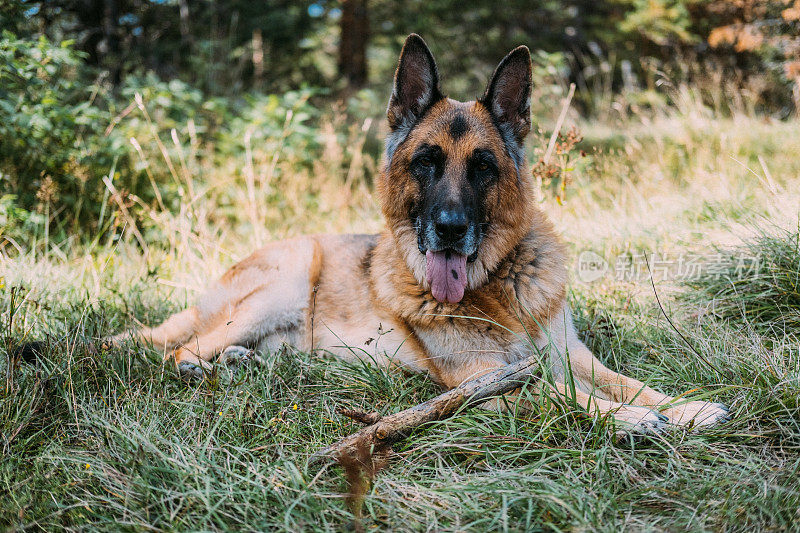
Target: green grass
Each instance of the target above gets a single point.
(768, 298)
(115, 440)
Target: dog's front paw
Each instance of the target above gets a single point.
(637, 420)
(697, 413)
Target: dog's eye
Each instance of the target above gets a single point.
(425, 162)
(482, 166)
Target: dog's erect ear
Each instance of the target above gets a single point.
(416, 84)
(508, 95)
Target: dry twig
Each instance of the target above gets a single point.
(378, 437)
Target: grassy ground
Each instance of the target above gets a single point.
(116, 440)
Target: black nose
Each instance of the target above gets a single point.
(451, 224)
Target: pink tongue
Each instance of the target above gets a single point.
(447, 274)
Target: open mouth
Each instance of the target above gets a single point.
(446, 271)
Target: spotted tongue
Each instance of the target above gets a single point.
(447, 274)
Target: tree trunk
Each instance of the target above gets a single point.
(186, 32)
(353, 43)
(111, 37)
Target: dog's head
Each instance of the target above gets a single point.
(455, 188)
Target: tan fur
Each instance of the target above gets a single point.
(366, 297)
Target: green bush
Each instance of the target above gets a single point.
(62, 131)
(52, 147)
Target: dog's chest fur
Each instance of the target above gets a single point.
(449, 343)
(498, 320)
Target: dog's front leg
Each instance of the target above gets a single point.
(634, 418)
(571, 359)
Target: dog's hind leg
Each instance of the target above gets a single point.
(272, 300)
(241, 327)
(265, 296)
(170, 333)
(259, 315)
(236, 356)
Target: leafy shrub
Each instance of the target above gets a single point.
(16, 224)
(50, 149)
(62, 132)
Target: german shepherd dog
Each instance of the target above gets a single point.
(466, 273)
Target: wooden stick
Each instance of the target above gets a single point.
(360, 416)
(376, 439)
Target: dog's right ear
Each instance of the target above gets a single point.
(416, 84)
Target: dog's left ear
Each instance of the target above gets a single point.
(508, 95)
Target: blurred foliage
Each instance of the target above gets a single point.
(61, 135)
(51, 142)
(155, 95)
(227, 47)
(205, 43)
